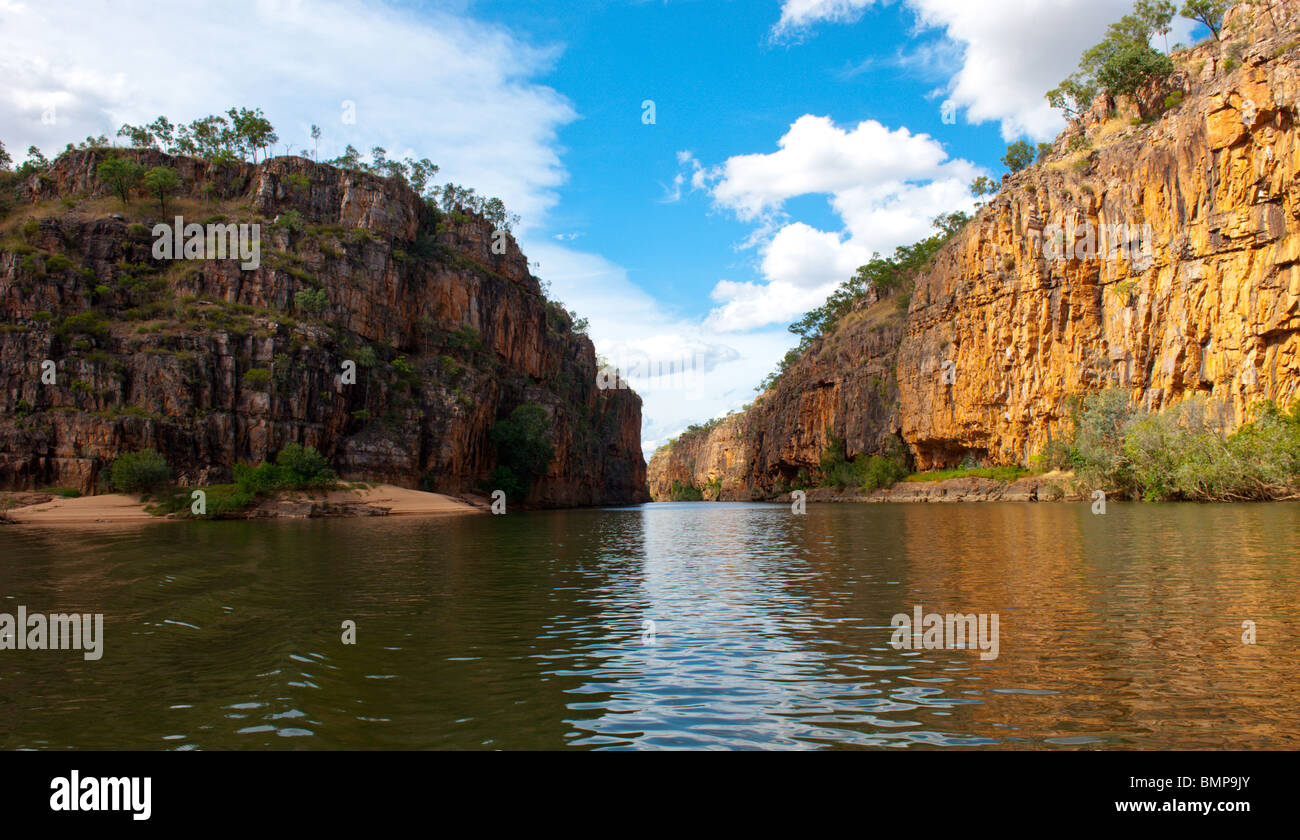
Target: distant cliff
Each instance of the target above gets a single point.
(212, 365)
(1010, 320)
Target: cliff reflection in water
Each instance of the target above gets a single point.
(769, 630)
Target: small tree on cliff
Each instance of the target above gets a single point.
(120, 175)
(1121, 64)
(161, 181)
(1158, 14)
(1020, 155)
(1208, 12)
(5, 159)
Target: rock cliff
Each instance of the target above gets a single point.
(1162, 257)
(105, 349)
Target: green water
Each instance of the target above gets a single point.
(771, 630)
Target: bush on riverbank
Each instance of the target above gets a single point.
(296, 468)
(1181, 453)
(139, 472)
(866, 472)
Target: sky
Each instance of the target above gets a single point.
(691, 175)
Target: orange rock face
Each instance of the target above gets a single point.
(1160, 258)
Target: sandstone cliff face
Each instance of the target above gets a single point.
(448, 338)
(1020, 311)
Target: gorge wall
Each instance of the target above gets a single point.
(212, 365)
(1017, 314)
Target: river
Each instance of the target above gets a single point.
(687, 625)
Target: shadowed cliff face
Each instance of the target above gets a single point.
(447, 337)
(1190, 285)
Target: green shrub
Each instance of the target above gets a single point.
(257, 378)
(139, 472)
(296, 467)
(309, 300)
(1182, 452)
(304, 467)
(868, 473)
(522, 445)
(93, 324)
(685, 492)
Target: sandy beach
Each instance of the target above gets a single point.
(403, 502)
(121, 509)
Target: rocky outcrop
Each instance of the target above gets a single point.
(390, 336)
(1161, 257)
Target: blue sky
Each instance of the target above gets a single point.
(791, 138)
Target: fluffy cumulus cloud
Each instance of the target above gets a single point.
(1010, 51)
(886, 185)
(434, 85)
(1013, 50)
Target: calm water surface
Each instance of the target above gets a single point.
(526, 631)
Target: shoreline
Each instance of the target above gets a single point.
(44, 509)
(1045, 487)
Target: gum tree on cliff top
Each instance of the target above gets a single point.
(1122, 63)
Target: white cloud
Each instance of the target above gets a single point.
(798, 15)
(1014, 50)
(886, 185)
(816, 156)
(640, 337)
(1011, 51)
(430, 85)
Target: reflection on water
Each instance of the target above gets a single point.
(769, 630)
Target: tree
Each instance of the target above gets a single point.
(251, 131)
(1130, 65)
(303, 466)
(982, 186)
(522, 447)
(421, 171)
(139, 472)
(35, 163)
(350, 159)
(164, 132)
(120, 175)
(5, 159)
(1121, 64)
(1020, 155)
(1073, 95)
(1208, 12)
(315, 136)
(139, 136)
(1158, 15)
(160, 182)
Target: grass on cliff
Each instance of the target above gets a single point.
(1007, 474)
